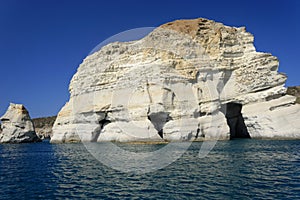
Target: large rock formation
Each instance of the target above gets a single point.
(176, 84)
(17, 126)
(43, 126)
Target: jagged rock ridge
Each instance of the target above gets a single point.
(175, 84)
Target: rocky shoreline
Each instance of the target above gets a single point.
(43, 125)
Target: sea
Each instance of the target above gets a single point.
(235, 169)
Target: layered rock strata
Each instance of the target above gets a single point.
(17, 126)
(175, 84)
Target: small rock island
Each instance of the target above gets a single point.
(16, 126)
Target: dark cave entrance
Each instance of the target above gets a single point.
(102, 123)
(235, 121)
(159, 119)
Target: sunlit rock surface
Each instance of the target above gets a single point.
(17, 126)
(174, 85)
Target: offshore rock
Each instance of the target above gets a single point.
(175, 84)
(17, 126)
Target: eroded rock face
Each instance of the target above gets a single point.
(295, 91)
(172, 84)
(43, 126)
(17, 126)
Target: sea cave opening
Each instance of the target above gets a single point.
(236, 121)
(159, 119)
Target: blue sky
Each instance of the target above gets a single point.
(42, 42)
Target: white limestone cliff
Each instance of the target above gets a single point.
(17, 126)
(174, 84)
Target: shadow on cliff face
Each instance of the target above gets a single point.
(235, 121)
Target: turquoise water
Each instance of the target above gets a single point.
(238, 169)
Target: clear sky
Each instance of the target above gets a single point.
(42, 42)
